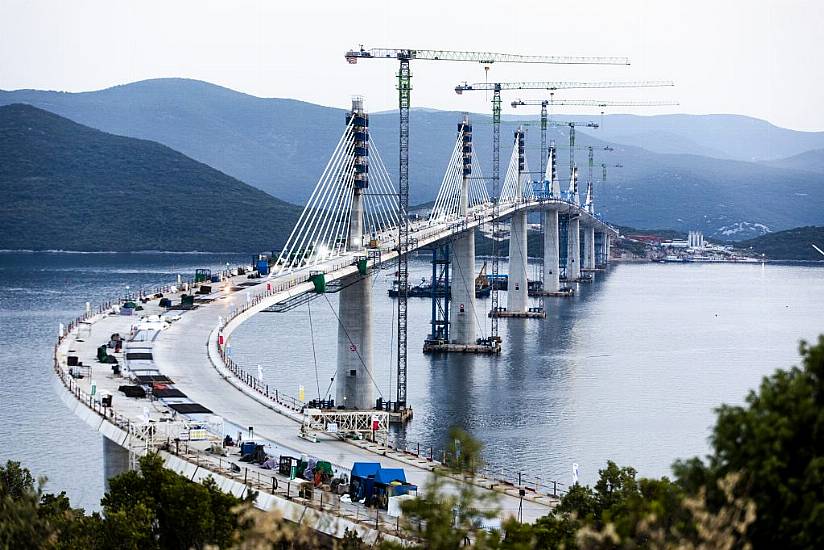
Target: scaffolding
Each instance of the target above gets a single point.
(373, 424)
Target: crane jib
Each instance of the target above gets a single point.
(485, 58)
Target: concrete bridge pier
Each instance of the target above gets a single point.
(589, 248)
(601, 255)
(115, 460)
(517, 294)
(606, 248)
(354, 383)
(552, 260)
(462, 305)
(552, 276)
(573, 267)
(462, 312)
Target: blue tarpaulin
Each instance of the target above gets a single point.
(388, 475)
(365, 469)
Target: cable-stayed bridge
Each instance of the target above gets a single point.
(349, 228)
(355, 223)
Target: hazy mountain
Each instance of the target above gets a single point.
(812, 161)
(734, 137)
(70, 187)
(281, 146)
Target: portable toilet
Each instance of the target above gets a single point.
(263, 267)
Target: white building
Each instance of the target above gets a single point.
(695, 239)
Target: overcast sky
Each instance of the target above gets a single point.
(761, 58)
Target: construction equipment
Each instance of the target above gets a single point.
(604, 168)
(481, 281)
(404, 76)
(496, 88)
(581, 103)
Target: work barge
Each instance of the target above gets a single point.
(197, 395)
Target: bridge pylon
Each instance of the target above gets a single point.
(552, 233)
(517, 293)
(455, 200)
(354, 383)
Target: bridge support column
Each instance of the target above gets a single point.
(600, 250)
(354, 386)
(589, 248)
(573, 267)
(606, 248)
(115, 460)
(517, 294)
(552, 275)
(462, 304)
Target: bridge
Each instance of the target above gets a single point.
(195, 393)
(185, 392)
(349, 227)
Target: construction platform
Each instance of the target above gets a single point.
(436, 346)
(401, 417)
(532, 313)
(562, 293)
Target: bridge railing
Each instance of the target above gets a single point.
(276, 485)
(536, 485)
(500, 476)
(299, 490)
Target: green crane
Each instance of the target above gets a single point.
(404, 56)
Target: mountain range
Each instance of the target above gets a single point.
(812, 161)
(679, 171)
(69, 187)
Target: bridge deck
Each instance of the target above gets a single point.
(186, 352)
(180, 353)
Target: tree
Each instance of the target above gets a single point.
(775, 445)
(158, 508)
(450, 514)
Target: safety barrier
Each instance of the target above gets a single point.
(279, 486)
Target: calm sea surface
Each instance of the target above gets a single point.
(629, 370)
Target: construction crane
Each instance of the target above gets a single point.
(544, 103)
(604, 170)
(589, 204)
(496, 88)
(404, 56)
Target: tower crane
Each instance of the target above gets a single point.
(579, 102)
(604, 167)
(496, 88)
(590, 103)
(404, 57)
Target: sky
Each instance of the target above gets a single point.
(761, 58)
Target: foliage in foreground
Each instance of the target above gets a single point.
(762, 487)
(153, 508)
